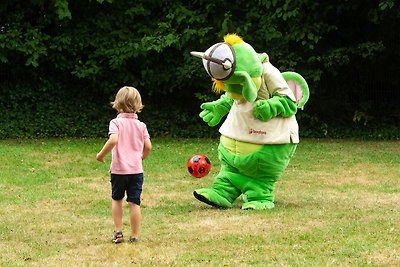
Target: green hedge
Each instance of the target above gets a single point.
(61, 62)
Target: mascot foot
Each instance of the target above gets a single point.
(256, 205)
(211, 198)
(205, 200)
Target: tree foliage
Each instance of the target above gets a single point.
(63, 61)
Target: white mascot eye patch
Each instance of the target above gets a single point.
(218, 60)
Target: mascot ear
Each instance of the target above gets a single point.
(249, 90)
(299, 87)
(263, 57)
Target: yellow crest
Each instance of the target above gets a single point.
(233, 38)
(218, 86)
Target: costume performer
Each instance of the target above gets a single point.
(260, 133)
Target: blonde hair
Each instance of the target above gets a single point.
(128, 100)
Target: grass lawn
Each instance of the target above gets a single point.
(338, 204)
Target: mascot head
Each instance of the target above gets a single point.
(234, 66)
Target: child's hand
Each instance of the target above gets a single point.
(100, 158)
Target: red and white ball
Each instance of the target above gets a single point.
(198, 166)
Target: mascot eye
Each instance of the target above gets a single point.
(219, 61)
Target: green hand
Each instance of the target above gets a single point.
(214, 111)
(265, 110)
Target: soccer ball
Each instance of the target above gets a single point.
(198, 165)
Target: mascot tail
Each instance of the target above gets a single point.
(299, 87)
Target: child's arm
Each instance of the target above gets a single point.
(108, 146)
(147, 148)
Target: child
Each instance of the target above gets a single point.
(130, 143)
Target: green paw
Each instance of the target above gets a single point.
(256, 205)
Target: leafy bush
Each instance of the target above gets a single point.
(63, 61)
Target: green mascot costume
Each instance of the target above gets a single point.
(260, 133)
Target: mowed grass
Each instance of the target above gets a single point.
(337, 204)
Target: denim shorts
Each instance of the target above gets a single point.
(130, 183)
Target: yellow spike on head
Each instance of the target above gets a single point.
(233, 38)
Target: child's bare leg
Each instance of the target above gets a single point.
(135, 217)
(117, 213)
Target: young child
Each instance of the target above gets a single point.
(130, 143)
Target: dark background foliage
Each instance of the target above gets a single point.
(63, 61)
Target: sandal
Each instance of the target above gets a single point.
(118, 237)
(133, 239)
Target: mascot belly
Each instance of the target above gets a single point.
(260, 133)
